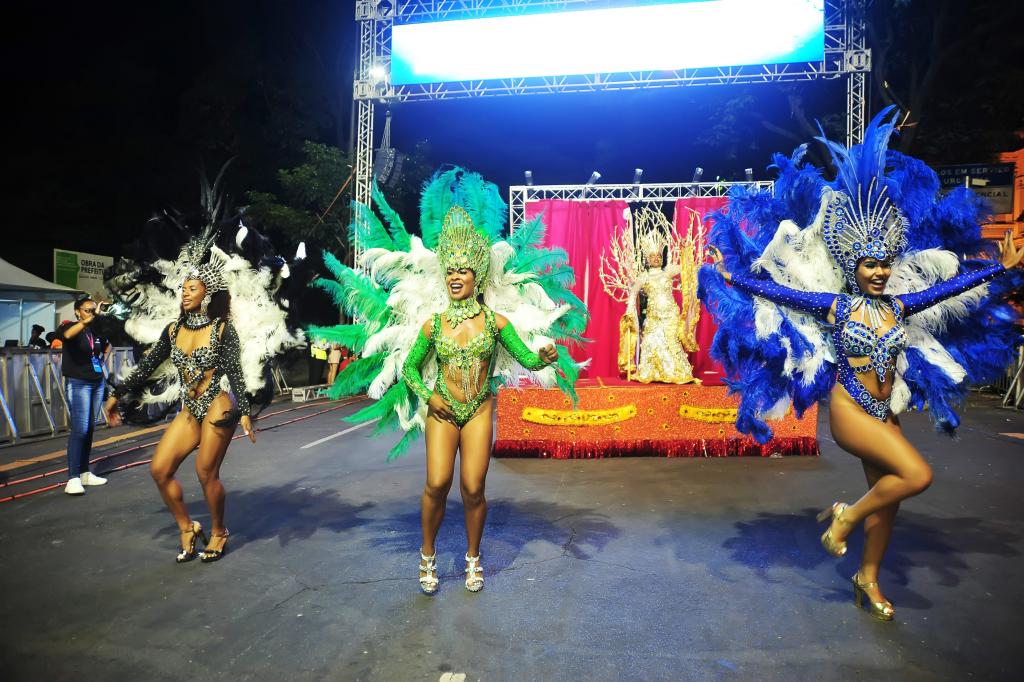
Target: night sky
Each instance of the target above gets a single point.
(113, 108)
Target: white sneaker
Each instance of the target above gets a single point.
(92, 479)
(74, 487)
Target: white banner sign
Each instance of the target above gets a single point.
(81, 271)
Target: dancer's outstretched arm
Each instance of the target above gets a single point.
(819, 304)
(150, 361)
(921, 300)
(1009, 257)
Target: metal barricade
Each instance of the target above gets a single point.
(32, 398)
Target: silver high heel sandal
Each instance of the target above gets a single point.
(474, 574)
(428, 565)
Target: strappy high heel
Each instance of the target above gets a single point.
(879, 610)
(189, 553)
(474, 574)
(832, 515)
(429, 582)
(208, 556)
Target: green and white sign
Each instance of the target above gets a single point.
(80, 270)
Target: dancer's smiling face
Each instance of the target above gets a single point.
(655, 260)
(192, 293)
(461, 283)
(872, 275)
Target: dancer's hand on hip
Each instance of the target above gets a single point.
(439, 408)
(247, 428)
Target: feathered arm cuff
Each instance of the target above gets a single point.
(515, 346)
(231, 361)
(150, 361)
(816, 303)
(411, 369)
(965, 281)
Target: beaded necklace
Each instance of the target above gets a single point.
(460, 311)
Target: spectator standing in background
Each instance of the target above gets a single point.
(317, 361)
(333, 360)
(36, 340)
(82, 367)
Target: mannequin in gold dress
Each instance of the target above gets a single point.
(667, 333)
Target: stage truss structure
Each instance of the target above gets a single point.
(521, 195)
(846, 55)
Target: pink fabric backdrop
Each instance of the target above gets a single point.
(704, 368)
(584, 229)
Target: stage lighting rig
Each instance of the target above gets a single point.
(637, 174)
(528, 176)
(697, 172)
(594, 177)
(749, 173)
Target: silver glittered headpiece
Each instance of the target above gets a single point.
(869, 228)
(211, 272)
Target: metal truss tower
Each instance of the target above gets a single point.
(846, 55)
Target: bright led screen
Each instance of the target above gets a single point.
(672, 36)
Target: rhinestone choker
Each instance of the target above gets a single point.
(195, 320)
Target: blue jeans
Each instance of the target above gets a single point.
(84, 401)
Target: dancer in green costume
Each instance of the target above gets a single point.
(434, 357)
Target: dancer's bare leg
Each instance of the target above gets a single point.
(213, 445)
(475, 453)
(877, 531)
(442, 443)
(904, 473)
(180, 439)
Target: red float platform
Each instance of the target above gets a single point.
(616, 418)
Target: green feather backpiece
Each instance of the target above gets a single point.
(396, 228)
(398, 256)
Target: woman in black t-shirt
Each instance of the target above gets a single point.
(82, 367)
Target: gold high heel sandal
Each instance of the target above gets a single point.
(208, 556)
(832, 515)
(880, 610)
(189, 553)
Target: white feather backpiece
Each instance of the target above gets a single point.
(258, 319)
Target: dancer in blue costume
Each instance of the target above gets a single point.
(868, 304)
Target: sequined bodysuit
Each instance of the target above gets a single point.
(222, 355)
(662, 357)
(462, 364)
(853, 339)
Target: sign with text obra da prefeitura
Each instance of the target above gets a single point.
(83, 271)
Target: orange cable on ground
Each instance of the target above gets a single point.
(53, 486)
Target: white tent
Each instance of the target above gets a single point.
(26, 300)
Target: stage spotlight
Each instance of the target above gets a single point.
(637, 174)
(529, 178)
(594, 177)
(749, 172)
(697, 172)
(378, 72)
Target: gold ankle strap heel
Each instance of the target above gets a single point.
(832, 515)
(880, 610)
